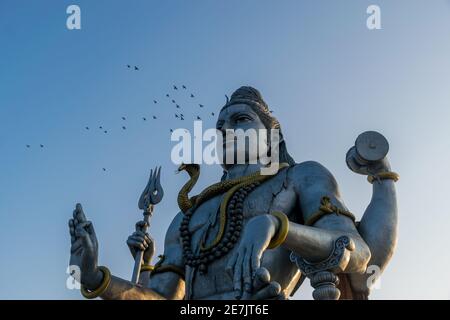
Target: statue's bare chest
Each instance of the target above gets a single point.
(205, 225)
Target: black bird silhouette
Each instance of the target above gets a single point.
(184, 87)
(28, 146)
(171, 130)
(124, 128)
(154, 117)
(136, 68)
(212, 113)
(167, 95)
(271, 111)
(175, 88)
(42, 145)
(173, 101)
(155, 102)
(100, 127)
(87, 128)
(192, 96)
(178, 106)
(144, 118)
(201, 106)
(123, 118)
(176, 116)
(106, 131)
(103, 169)
(128, 66)
(198, 118)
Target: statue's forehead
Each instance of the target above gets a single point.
(233, 109)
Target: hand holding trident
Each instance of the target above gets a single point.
(152, 194)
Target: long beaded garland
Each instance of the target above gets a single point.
(233, 228)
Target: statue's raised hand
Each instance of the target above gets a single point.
(84, 249)
(245, 262)
(368, 155)
(140, 240)
(364, 167)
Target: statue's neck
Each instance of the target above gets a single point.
(239, 170)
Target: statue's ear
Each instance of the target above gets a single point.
(274, 140)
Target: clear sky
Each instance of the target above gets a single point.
(325, 75)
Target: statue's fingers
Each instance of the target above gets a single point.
(80, 231)
(272, 290)
(256, 260)
(72, 231)
(229, 269)
(262, 278)
(78, 214)
(140, 234)
(247, 272)
(141, 240)
(148, 239)
(237, 279)
(136, 244)
(78, 244)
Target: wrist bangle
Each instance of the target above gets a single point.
(147, 267)
(282, 232)
(102, 288)
(383, 176)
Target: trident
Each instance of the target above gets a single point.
(152, 194)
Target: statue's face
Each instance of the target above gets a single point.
(241, 116)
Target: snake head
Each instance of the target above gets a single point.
(190, 168)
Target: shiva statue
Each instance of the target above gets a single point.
(254, 236)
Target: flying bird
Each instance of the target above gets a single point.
(175, 88)
(144, 118)
(167, 95)
(136, 68)
(171, 130)
(103, 169)
(178, 106)
(28, 146)
(123, 118)
(124, 128)
(100, 127)
(176, 116)
(173, 101)
(128, 66)
(192, 96)
(106, 131)
(154, 117)
(87, 128)
(155, 102)
(184, 87)
(201, 106)
(41, 145)
(198, 118)
(212, 113)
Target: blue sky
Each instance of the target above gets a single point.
(325, 75)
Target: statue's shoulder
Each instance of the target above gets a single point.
(311, 172)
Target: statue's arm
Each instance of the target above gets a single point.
(314, 240)
(165, 285)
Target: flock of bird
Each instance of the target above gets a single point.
(178, 110)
